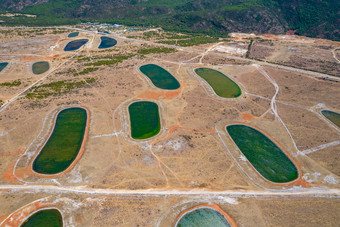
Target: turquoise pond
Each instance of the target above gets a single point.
(204, 217)
(3, 65)
(107, 42)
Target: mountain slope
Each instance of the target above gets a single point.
(318, 18)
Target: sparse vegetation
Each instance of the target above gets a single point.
(156, 50)
(86, 71)
(56, 88)
(11, 84)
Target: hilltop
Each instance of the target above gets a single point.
(214, 17)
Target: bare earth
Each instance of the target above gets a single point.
(119, 181)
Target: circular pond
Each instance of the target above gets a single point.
(160, 77)
(43, 218)
(222, 85)
(40, 67)
(75, 44)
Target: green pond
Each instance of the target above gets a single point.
(40, 67)
(160, 77)
(73, 34)
(3, 65)
(75, 44)
(44, 218)
(265, 156)
(332, 116)
(144, 119)
(204, 217)
(222, 85)
(107, 42)
(64, 144)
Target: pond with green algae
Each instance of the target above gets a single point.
(43, 218)
(40, 67)
(65, 142)
(73, 34)
(203, 217)
(160, 77)
(332, 116)
(220, 83)
(75, 44)
(107, 42)
(3, 65)
(263, 154)
(144, 119)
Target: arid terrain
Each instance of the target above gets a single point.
(118, 181)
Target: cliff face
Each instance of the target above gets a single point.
(318, 18)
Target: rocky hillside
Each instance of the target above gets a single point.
(318, 18)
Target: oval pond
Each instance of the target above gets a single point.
(160, 77)
(263, 154)
(203, 217)
(73, 34)
(332, 116)
(43, 218)
(107, 42)
(220, 83)
(144, 119)
(75, 44)
(40, 67)
(65, 142)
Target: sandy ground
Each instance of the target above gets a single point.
(191, 152)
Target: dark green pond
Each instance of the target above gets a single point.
(75, 44)
(203, 218)
(266, 157)
(44, 218)
(3, 65)
(107, 42)
(160, 77)
(73, 34)
(332, 116)
(222, 85)
(144, 119)
(64, 144)
(40, 67)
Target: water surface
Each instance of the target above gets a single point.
(40, 67)
(75, 44)
(73, 34)
(204, 217)
(265, 156)
(3, 65)
(160, 77)
(65, 142)
(220, 83)
(144, 119)
(107, 42)
(44, 218)
(332, 116)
